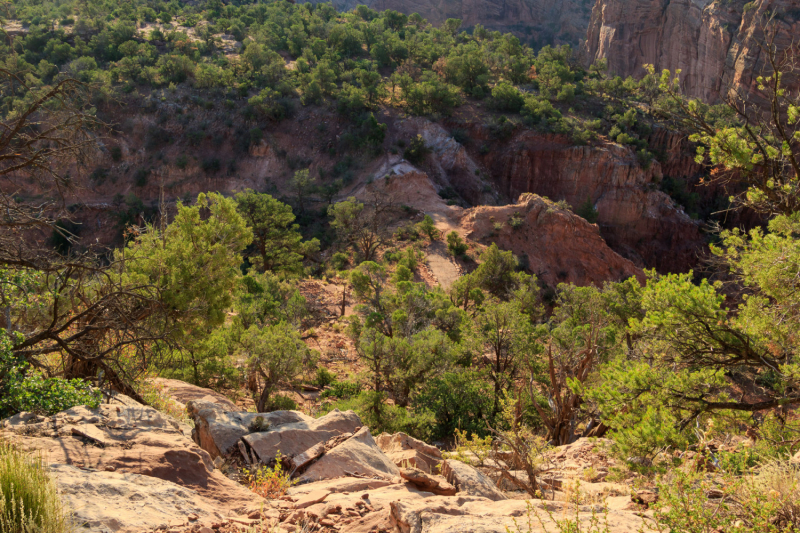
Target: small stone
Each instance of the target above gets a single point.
(205, 530)
(110, 469)
(365, 496)
(326, 522)
(254, 515)
(192, 517)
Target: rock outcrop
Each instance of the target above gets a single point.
(714, 43)
(637, 220)
(129, 468)
(217, 430)
(551, 241)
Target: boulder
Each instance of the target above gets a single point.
(293, 439)
(435, 484)
(470, 481)
(409, 452)
(357, 455)
(217, 430)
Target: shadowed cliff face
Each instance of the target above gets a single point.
(713, 42)
(637, 220)
(538, 22)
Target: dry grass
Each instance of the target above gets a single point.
(29, 502)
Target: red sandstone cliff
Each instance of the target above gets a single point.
(554, 243)
(636, 219)
(713, 42)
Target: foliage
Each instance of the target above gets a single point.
(587, 211)
(29, 500)
(278, 245)
(417, 150)
(276, 353)
(747, 504)
(270, 482)
(23, 388)
(460, 400)
(456, 245)
(427, 227)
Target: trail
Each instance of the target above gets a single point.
(442, 265)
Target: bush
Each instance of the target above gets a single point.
(279, 402)
(342, 390)
(271, 483)
(766, 502)
(24, 389)
(379, 416)
(140, 177)
(457, 400)
(506, 97)
(587, 211)
(182, 161)
(456, 245)
(211, 165)
(324, 377)
(29, 501)
(417, 150)
(339, 260)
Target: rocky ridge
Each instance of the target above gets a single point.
(127, 468)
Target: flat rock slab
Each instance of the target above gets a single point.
(424, 481)
(470, 481)
(311, 498)
(104, 502)
(184, 393)
(146, 474)
(90, 432)
(406, 451)
(471, 514)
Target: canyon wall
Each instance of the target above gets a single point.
(637, 220)
(713, 42)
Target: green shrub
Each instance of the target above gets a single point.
(140, 177)
(279, 402)
(417, 150)
(182, 161)
(457, 400)
(380, 416)
(342, 390)
(25, 389)
(587, 210)
(211, 165)
(324, 377)
(455, 244)
(29, 501)
(506, 97)
(339, 260)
